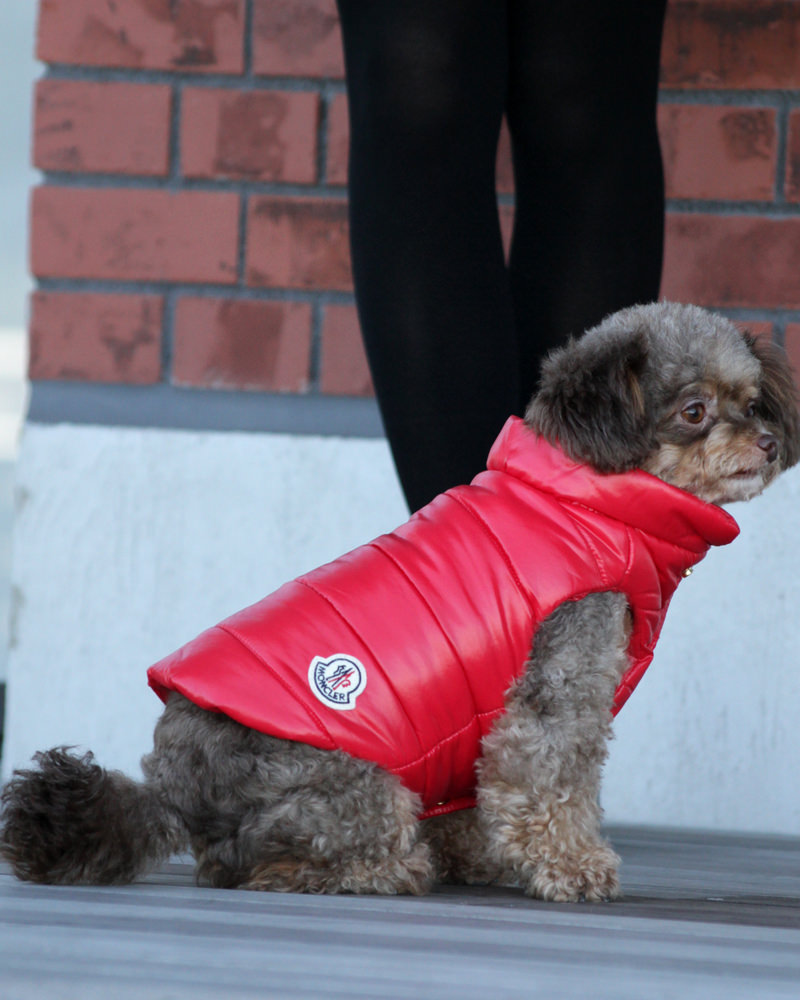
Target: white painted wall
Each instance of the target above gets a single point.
(129, 542)
(18, 69)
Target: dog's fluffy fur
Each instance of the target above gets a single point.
(670, 389)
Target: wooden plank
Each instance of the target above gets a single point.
(704, 916)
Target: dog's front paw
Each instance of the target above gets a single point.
(590, 877)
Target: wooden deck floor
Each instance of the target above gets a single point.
(704, 916)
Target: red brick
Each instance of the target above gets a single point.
(793, 158)
(760, 329)
(739, 260)
(298, 243)
(345, 371)
(506, 226)
(792, 345)
(241, 344)
(113, 128)
(297, 38)
(265, 135)
(193, 35)
(718, 152)
(338, 141)
(505, 168)
(95, 338)
(750, 44)
(134, 235)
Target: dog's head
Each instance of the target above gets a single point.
(676, 391)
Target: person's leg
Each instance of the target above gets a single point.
(589, 186)
(427, 87)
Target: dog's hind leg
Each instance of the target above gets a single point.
(460, 850)
(349, 828)
(272, 814)
(539, 778)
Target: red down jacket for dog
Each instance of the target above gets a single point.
(401, 651)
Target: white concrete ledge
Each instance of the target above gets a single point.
(129, 542)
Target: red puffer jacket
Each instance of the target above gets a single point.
(401, 651)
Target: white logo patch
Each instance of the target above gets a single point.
(337, 680)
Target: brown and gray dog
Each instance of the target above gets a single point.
(672, 390)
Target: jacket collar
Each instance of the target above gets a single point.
(636, 498)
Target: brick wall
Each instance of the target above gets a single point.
(730, 132)
(192, 226)
(191, 229)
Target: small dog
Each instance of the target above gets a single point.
(664, 389)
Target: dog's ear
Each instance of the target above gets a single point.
(591, 401)
(778, 400)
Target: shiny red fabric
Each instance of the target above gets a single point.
(440, 614)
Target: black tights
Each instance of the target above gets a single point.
(454, 335)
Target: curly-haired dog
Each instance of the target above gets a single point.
(656, 397)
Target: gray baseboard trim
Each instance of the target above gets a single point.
(169, 407)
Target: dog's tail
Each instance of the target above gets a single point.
(70, 821)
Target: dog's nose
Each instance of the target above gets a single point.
(769, 444)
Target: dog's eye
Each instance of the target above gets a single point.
(750, 409)
(693, 413)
